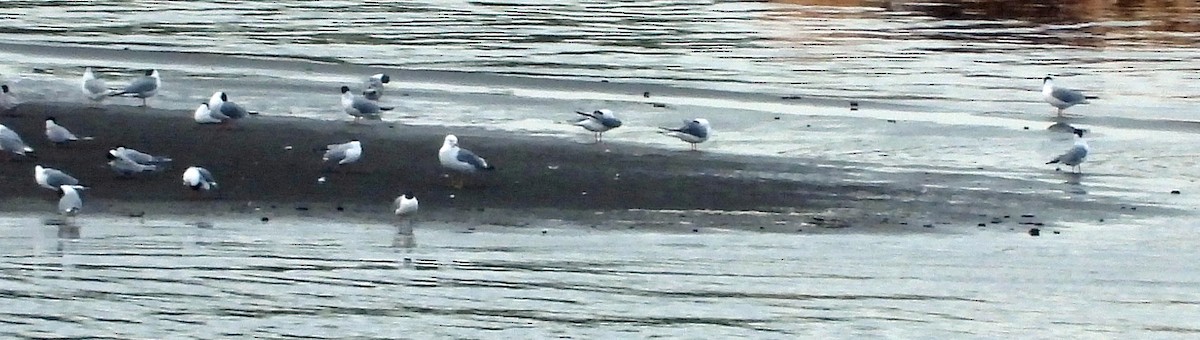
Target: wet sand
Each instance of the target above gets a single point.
(613, 185)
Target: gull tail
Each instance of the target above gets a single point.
(1091, 97)
(1053, 161)
(117, 93)
(386, 108)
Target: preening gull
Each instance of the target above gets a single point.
(598, 122)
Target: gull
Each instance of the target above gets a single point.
(220, 106)
(11, 143)
(138, 156)
(1061, 98)
(58, 134)
(7, 99)
(199, 179)
(342, 154)
(1075, 155)
(204, 115)
(373, 88)
(460, 160)
(406, 204)
(144, 87)
(360, 107)
(598, 122)
(125, 167)
(52, 178)
(94, 89)
(70, 204)
(694, 131)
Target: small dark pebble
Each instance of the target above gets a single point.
(891, 120)
(1056, 232)
(544, 231)
(853, 106)
(603, 80)
(1035, 232)
(1132, 208)
(138, 214)
(340, 208)
(471, 228)
(302, 208)
(658, 105)
(790, 97)
(1026, 128)
(264, 219)
(761, 227)
(694, 230)
(807, 125)
(391, 126)
(776, 117)
(996, 221)
(1039, 224)
(1006, 216)
(1175, 192)
(1101, 220)
(983, 224)
(903, 223)
(928, 226)
(646, 94)
(1027, 215)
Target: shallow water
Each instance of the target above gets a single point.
(294, 278)
(946, 87)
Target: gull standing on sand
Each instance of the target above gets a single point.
(12, 143)
(694, 131)
(125, 167)
(138, 156)
(70, 204)
(598, 122)
(199, 179)
(220, 106)
(144, 87)
(342, 154)
(59, 135)
(1061, 98)
(373, 88)
(461, 160)
(359, 107)
(7, 99)
(1075, 156)
(95, 89)
(52, 178)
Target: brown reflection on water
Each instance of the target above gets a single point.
(1149, 22)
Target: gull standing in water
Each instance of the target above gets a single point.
(220, 106)
(1075, 156)
(359, 107)
(373, 88)
(11, 143)
(461, 160)
(694, 131)
(70, 204)
(59, 135)
(1061, 98)
(7, 99)
(199, 179)
(598, 122)
(342, 154)
(144, 87)
(52, 178)
(95, 89)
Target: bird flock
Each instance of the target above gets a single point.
(126, 162)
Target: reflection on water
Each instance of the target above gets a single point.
(323, 279)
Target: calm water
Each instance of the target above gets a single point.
(293, 278)
(961, 76)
